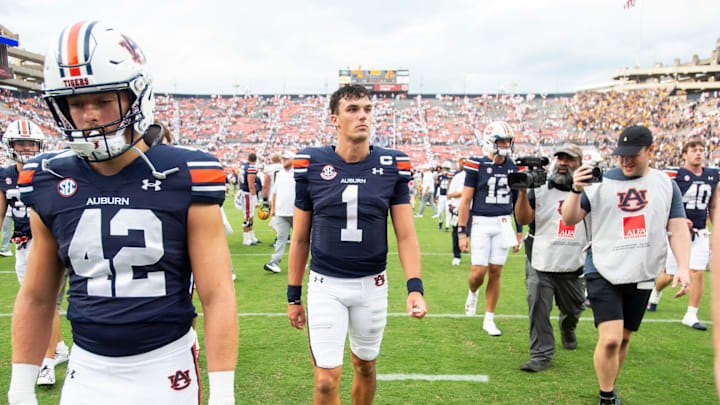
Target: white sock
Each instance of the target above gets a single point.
(474, 293)
(246, 237)
(252, 236)
(490, 316)
(61, 348)
(655, 296)
(691, 312)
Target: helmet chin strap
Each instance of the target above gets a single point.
(158, 175)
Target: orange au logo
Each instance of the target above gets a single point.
(180, 380)
(634, 227)
(632, 200)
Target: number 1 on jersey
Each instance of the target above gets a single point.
(351, 233)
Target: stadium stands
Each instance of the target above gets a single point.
(427, 129)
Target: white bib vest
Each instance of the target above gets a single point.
(629, 221)
(556, 247)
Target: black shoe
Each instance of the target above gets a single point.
(569, 340)
(610, 400)
(652, 307)
(535, 365)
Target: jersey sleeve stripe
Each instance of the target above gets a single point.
(300, 163)
(208, 188)
(472, 164)
(404, 172)
(300, 170)
(204, 164)
(26, 176)
(403, 165)
(26, 190)
(207, 175)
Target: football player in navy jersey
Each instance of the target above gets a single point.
(486, 187)
(135, 225)
(343, 194)
(697, 185)
(246, 198)
(443, 182)
(23, 140)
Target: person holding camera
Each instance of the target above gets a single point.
(486, 189)
(554, 260)
(630, 213)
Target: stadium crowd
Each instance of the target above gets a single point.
(429, 130)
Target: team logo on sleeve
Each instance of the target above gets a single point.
(634, 227)
(180, 380)
(67, 187)
(633, 200)
(328, 172)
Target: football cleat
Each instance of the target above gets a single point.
(6, 253)
(46, 376)
(652, 307)
(456, 261)
(272, 267)
(490, 328)
(693, 323)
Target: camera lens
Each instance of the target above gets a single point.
(596, 172)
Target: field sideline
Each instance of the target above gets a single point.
(668, 363)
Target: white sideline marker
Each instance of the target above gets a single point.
(433, 377)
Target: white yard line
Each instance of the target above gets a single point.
(402, 314)
(433, 377)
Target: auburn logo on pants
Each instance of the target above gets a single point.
(180, 380)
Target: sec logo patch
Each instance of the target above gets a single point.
(67, 187)
(328, 172)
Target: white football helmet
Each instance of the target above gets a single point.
(91, 57)
(23, 130)
(493, 132)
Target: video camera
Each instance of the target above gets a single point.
(535, 177)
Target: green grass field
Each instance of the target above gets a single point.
(668, 363)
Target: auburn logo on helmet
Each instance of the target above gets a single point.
(135, 51)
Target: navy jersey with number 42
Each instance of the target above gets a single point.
(246, 169)
(349, 204)
(493, 196)
(697, 192)
(124, 239)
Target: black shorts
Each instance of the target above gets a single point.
(611, 302)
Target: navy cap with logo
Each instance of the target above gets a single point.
(632, 139)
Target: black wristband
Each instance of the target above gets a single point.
(573, 190)
(461, 229)
(294, 293)
(415, 284)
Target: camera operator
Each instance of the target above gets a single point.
(554, 260)
(630, 212)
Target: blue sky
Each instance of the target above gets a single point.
(474, 46)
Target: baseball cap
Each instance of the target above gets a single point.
(569, 149)
(632, 139)
(288, 155)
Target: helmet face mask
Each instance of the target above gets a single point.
(496, 131)
(18, 135)
(91, 58)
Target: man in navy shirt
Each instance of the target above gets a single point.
(343, 194)
(246, 198)
(486, 188)
(697, 185)
(135, 225)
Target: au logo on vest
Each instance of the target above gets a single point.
(632, 200)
